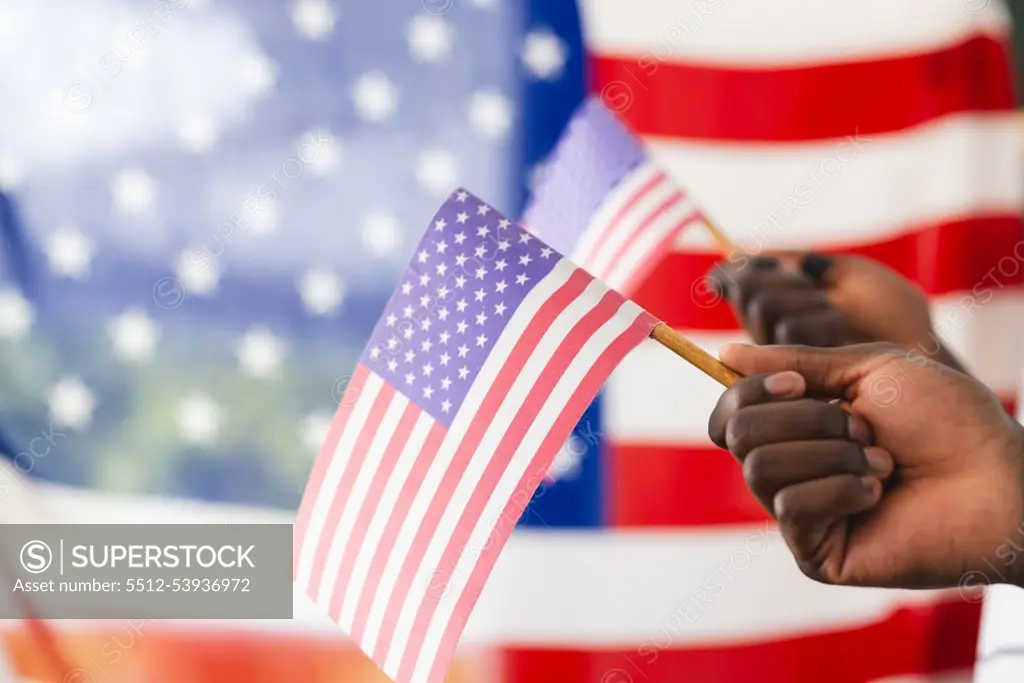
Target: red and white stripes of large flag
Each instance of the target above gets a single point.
(404, 517)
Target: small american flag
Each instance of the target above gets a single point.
(626, 212)
(486, 356)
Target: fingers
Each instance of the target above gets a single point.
(800, 420)
(822, 329)
(763, 409)
(775, 302)
(828, 372)
(770, 469)
(809, 512)
(819, 268)
(751, 391)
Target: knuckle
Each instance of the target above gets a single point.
(786, 509)
(757, 468)
(739, 436)
(808, 567)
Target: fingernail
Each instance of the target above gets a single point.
(879, 461)
(872, 487)
(815, 266)
(732, 348)
(859, 430)
(783, 384)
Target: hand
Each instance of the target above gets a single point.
(948, 455)
(806, 298)
(778, 305)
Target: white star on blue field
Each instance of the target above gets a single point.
(211, 200)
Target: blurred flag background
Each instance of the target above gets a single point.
(205, 204)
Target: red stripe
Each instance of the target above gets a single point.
(655, 254)
(636, 230)
(682, 486)
(324, 459)
(532, 476)
(393, 526)
(525, 345)
(368, 430)
(370, 504)
(808, 102)
(912, 641)
(610, 227)
(570, 346)
(678, 486)
(959, 255)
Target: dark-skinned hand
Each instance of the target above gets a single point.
(915, 482)
(826, 301)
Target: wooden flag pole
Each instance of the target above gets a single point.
(696, 356)
(725, 244)
(686, 349)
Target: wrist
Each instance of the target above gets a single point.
(1017, 510)
(1008, 563)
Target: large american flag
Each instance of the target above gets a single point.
(485, 358)
(225, 398)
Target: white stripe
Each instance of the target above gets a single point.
(985, 336)
(511, 405)
(781, 195)
(1002, 630)
(620, 195)
(361, 486)
(654, 397)
(375, 531)
(543, 588)
(341, 456)
(695, 587)
(555, 403)
(601, 261)
(428, 487)
(625, 269)
(761, 32)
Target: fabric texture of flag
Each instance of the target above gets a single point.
(605, 204)
(487, 354)
(880, 128)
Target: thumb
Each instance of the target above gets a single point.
(827, 371)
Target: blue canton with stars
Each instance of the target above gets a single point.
(469, 274)
(204, 211)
